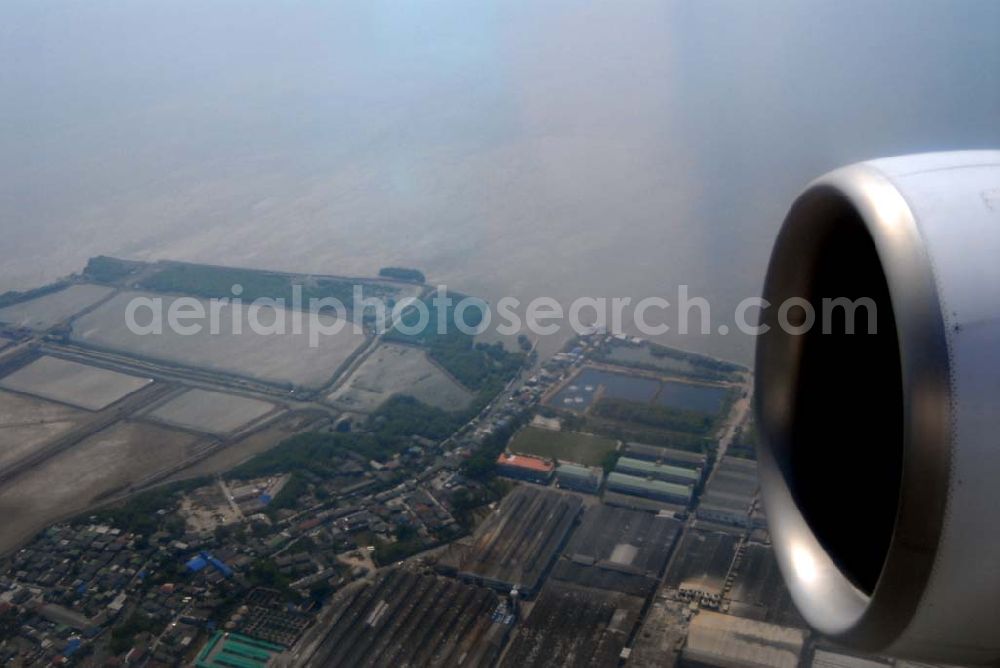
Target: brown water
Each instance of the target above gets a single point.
(523, 148)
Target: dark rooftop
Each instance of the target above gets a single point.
(515, 545)
(574, 626)
(411, 619)
(702, 561)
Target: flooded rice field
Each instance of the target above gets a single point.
(73, 480)
(395, 369)
(690, 397)
(51, 309)
(581, 391)
(72, 383)
(211, 412)
(27, 423)
(276, 358)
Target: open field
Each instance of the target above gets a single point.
(691, 397)
(270, 357)
(51, 309)
(211, 412)
(73, 383)
(569, 446)
(395, 369)
(27, 423)
(251, 445)
(642, 355)
(73, 480)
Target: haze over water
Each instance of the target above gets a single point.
(559, 148)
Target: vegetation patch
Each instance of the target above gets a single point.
(478, 366)
(318, 454)
(217, 282)
(140, 513)
(104, 269)
(655, 357)
(403, 274)
(13, 296)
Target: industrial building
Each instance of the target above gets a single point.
(642, 503)
(652, 489)
(758, 590)
(227, 650)
(514, 546)
(723, 641)
(618, 549)
(406, 618)
(580, 478)
(671, 456)
(574, 626)
(826, 659)
(701, 566)
(730, 493)
(525, 467)
(664, 472)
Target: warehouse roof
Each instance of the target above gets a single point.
(624, 479)
(717, 639)
(653, 468)
(656, 452)
(825, 659)
(516, 544)
(577, 470)
(232, 650)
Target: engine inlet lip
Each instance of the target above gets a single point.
(826, 598)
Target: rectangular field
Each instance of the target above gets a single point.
(66, 484)
(51, 309)
(569, 446)
(266, 354)
(592, 384)
(692, 397)
(73, 383)
(580, 393)
(211, 412)
(27, 423)
(396, 369)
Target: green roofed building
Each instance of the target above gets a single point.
(231, 650)
(650, 489)
(579, 478)
(664, 472)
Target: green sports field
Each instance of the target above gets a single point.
(567, 446)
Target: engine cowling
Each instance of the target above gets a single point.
(880, 457)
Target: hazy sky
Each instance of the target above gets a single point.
(561, 147)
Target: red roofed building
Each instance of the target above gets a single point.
(525, 467)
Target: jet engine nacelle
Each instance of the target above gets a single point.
(880, 463)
